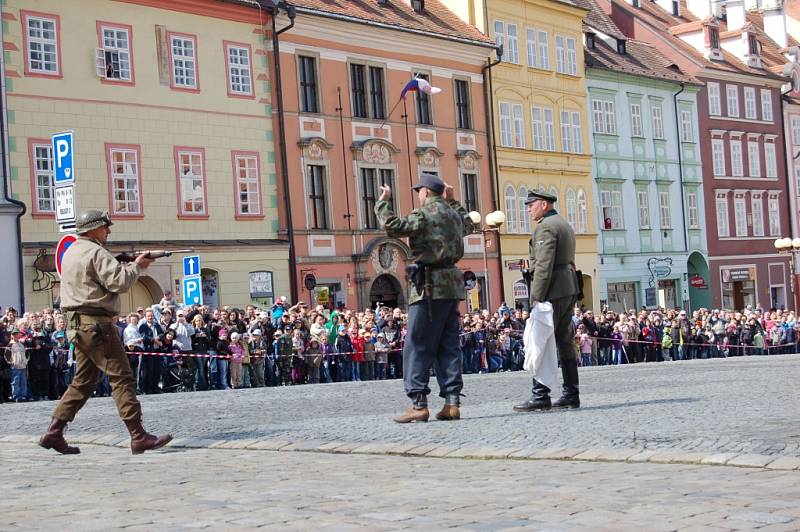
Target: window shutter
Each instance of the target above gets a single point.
(100, 62)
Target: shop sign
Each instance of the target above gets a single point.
(698, 282)
(732, 275)
(515, 265)
(520, 290)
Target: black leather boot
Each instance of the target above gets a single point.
(539, 400)
(570, 398)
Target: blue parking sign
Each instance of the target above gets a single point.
(64, 167)
(192, 290)
(191, 265)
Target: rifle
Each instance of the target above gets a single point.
(153, 254)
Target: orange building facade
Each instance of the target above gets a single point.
(341, 76)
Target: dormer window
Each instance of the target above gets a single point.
(753, 45)
(590, 40)
(621, 46)
(676, 8)
(418, 5)
(713, 38)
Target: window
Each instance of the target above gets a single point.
(561, 55)
(796, 130)
(676, 8)
(644, 209)
(736, 158)
(718, 156)
(189, 165)
(665, 216)
(603, 117)
(513, 44)
(41, 36)
(462, 105)
(240, 72)
(740, 214)
(519, 126)
(733, 100)
(658, 122)
(752, 44)
(114, 55)
(511, 209)
(713, 38)
(583, 226)
(318, 211)
(771, 161)
(184, 61)
(693, 216)
(41, 154)
(577, 133)
(538, 128)
(572, 61)
(686, 126)
(530, 41)
(753, 159)
(358, 91)
(714, 106)
(377, 105)
(774, 215)
(247, 183)
(571, 214)
(636, 120)
(549, 131)
(371, 180)
(424, 115)
(123, 172)
(750, 103)
(308, 84)
(469, 188)
(524, 219)
(544, 51)
(505, 124)
(611, 209)
(566, 132)
(500, 33)
(757, 207)
(723, 229)
(766, 105)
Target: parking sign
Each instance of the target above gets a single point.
(192, 290)
(63, 158)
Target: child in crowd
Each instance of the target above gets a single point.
(585, 344)
(17, 357)
(313, 360)
(328, 369)
(358, 355)
(223, 352)
(298, 356)
(237, 355)
(344, 354)
(244, 341)
(381, 356)
(59, 358)
(616, 340)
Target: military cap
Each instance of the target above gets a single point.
(534, 195)
(431, 182)
(92, 219)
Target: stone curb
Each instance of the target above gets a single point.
(597, 454)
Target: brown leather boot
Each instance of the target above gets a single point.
(449, 413)
(141, 441)
(54, 438)
(413, 414)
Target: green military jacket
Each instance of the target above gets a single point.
(435, 232)
(552, 259)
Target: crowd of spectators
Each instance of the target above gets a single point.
(174, 348)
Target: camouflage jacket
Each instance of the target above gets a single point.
(435, 234)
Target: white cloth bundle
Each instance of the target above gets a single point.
(540, 345)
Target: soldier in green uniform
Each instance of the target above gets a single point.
(91, 281)
(552, 265)
(436, 232)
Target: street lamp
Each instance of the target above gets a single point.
(494, 220)
(789, 247)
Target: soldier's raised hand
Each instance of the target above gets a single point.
(448, 192)
(386, 193)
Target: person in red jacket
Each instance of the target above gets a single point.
(358, 355)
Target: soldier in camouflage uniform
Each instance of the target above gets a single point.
(436, 232)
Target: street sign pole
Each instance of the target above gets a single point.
(64, 180)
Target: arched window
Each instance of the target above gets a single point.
(571, 207)
(511, 209)
(524, 219)
(553, 191)
(582, 225)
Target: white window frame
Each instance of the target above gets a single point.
(566, 132)
(723, 219)
(500, 33)
(577, 133)
(750, 103)
(531, 46)
(753, 158)
(505, 125)
(240, 78)
(636, 120)
(773, 207)
(740, 215)
(770, 159)
(737, 163)
(658, 121)
(598, 117)
(524, 219)
(184, 65)
(611, 200)
(732, 94)
(511, 209)
(718, 156)
(42, 169)
(796, 130)
(583, 222)
(129, 178)
(572, 57)
(549, 130)
(45, 48)
(665, 216)
(714, 101)
(766, 105)
(111, 45)
(248, 184)
(643, 200)
(692, 213)
(512, 43)
(571, 210)
(543, 47)
(519, 125)
(191, 183)
(561, 54)
(687, 127)
(609, 110)
(757, 213)
(537, 119)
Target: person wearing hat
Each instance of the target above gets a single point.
(436, 231)
(552, 266)
(258, 350)
(92, 280)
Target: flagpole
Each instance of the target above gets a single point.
(390, 113)
(408, 151)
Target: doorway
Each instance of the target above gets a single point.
(387, 291)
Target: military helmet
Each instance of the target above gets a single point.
(92, 219)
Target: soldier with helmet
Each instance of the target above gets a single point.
(91, 281)
(436, 232)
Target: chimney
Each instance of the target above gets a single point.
(734, 10)
(700, 8)
(775, 21)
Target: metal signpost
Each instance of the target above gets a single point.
(64, 180)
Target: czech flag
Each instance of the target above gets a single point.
(419, 85)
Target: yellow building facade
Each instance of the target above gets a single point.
(169, 102)
(541, 126)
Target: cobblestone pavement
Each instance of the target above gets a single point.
(107, 488)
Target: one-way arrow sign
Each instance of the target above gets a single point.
(191, 265)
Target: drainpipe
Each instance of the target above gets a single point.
(680, 168)
(291, 13)
(493, 167)
(21, 208)
(792, 220)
